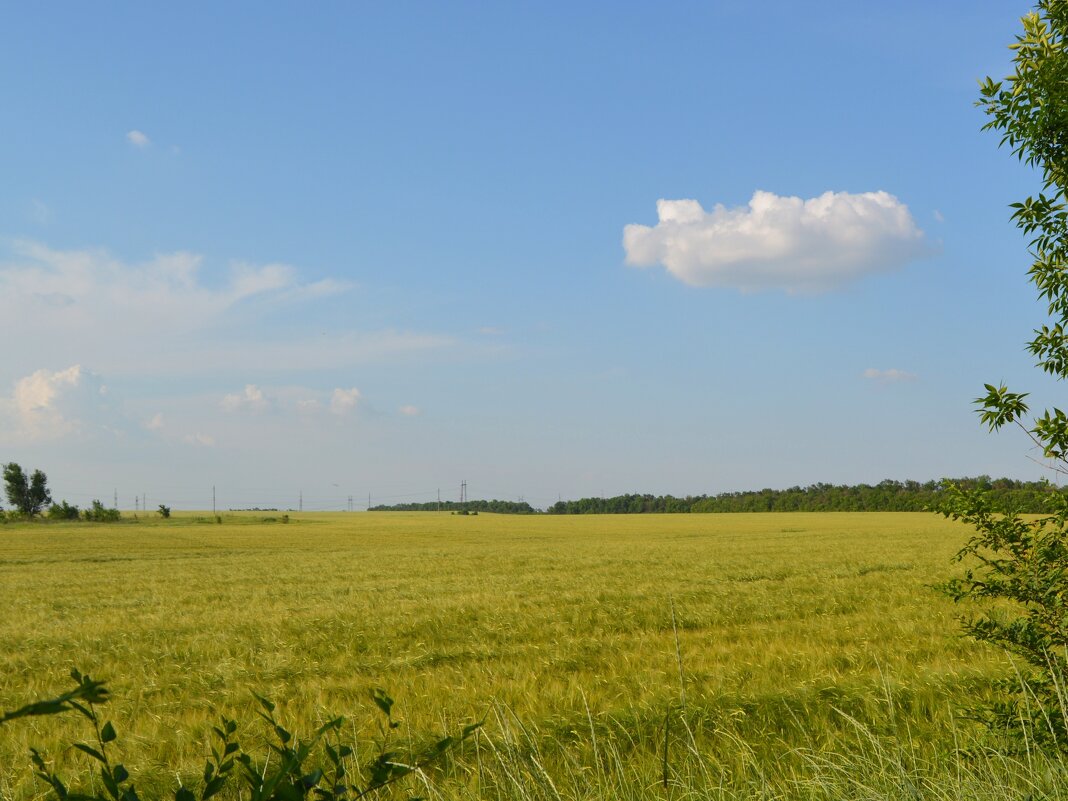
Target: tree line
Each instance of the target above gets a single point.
(500, 507)
(29, 497)
(886, 496)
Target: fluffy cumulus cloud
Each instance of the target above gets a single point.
(889, 376)
(252, 399)
(48, 405)
(777, 242)
(343, 401)
(137, 138)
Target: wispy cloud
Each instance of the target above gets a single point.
(343, 401)
(890, 376)
(40, 213)
(410, 411)
(89, 307)
(138, 139)
(252, 399)
(778, 242)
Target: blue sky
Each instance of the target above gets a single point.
(379, 248)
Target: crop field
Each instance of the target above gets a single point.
(778, 644)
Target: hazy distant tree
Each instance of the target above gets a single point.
(28, 496)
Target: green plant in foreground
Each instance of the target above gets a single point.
(321, 766)
(1020, 566)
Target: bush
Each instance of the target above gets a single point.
(63, 511)
(98, 513)
(164, 511)
(1019, 567)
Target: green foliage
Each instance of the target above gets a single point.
(1018, 571)
(886, 496)
(164, 511)
(1018, 567)
(321, 766)
(63, 511)
(98, 513)
(28, 495)
(498, 507)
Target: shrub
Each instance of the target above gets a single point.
(1018, 566)
(63, 511)
(164, 511)
(98, 513)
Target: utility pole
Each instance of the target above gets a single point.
(213, 499)
(439, 499)
(302, 500)
(116, 498)
(368, 502)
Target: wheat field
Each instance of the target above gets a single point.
(780, 640)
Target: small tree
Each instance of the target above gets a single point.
(164, 511)
(63, 511)
(98, 513)
(30, 496)
(1018, 567)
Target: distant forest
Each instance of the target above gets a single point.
(500, 507)
(886, 496)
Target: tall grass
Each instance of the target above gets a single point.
(791, 631)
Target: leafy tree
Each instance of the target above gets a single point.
(164, 511)
(1018, 567)
(98, 513)
(28, 496)
(63, 511)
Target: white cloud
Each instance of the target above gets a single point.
(308, 406)
(203, 440)
(344, 400)
(778, 242)
(155, 423)
(40, 213)
(40, 401)
(252, 399)
(50, 405)
(410, 411)
(893, 375)
(124, 318)
(137, 139)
